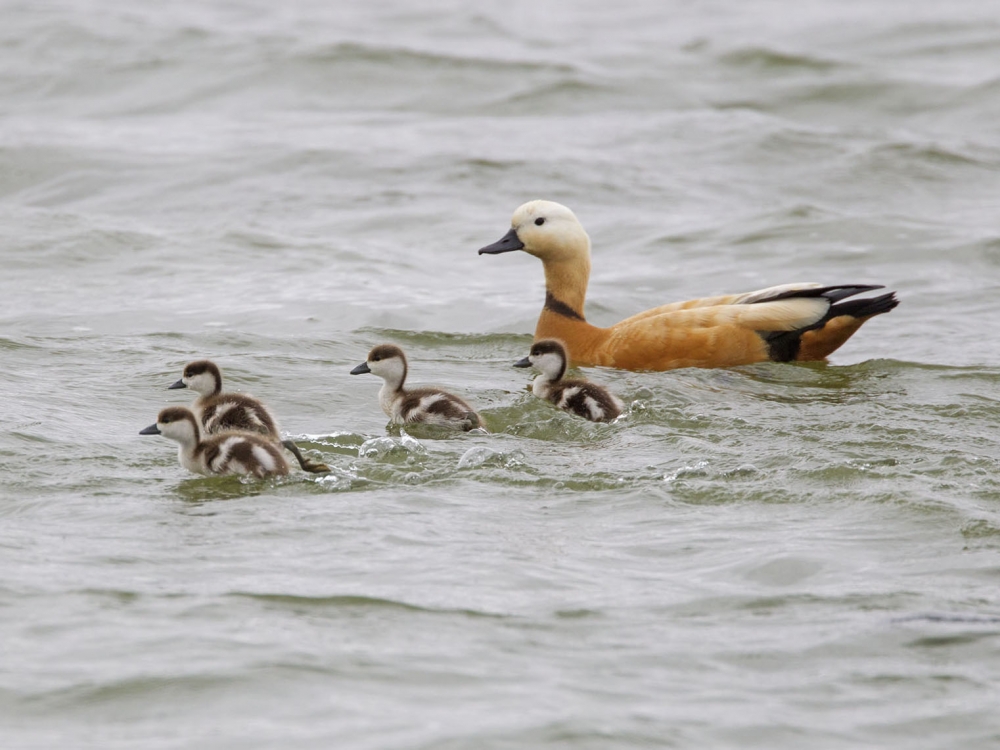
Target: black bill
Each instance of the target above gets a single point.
(505, 244)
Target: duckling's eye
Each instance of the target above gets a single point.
(539, 221)
(376, 358)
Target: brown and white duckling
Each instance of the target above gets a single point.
(579, 397)
(225, 453)
(426, 405)
(220, 412)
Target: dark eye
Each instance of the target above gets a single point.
(539, 221)
(376, 358)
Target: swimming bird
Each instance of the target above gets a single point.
(219, 412)
(402, 406)
(580, 397)
(224, 453)
(792, 322)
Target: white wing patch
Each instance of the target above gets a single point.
(595, 409)
(783, 315)
(773, 291)
(264, 458)
(566, 395)
(222, 463)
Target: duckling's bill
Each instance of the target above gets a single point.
(361, 369)
(526, 362)
(151, 430)
(178, 384)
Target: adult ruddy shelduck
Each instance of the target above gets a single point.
(788, 323)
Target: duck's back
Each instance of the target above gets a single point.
(434, 406)
(242, 453)
(236, 411)
(791, 323)
(585, 399)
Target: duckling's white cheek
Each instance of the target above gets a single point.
(201, 383)
(550, 364)
(390, 370)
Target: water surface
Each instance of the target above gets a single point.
(771, 556)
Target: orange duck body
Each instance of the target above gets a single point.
(788, 323)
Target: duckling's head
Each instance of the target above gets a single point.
(549, 356)
(203, 377)
(176, 423)
(387, 361)
(547, 230)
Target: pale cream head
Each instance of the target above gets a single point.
(551, 231)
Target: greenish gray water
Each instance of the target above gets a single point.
(771, 556)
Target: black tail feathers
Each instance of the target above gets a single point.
(862, 308)
(783, 346)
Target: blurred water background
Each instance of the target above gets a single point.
(774, 556)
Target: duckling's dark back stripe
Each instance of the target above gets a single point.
(578, 403)
(609, 409)
(433, 402)
(212, 451)
(442, 404)
(446, 408)
(552, 304)
(242, 451)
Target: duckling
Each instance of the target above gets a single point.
(579, 397)
(402, 406)
(221, 412)
(225, 453)
(788, 323)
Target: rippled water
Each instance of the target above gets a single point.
(769, 556)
